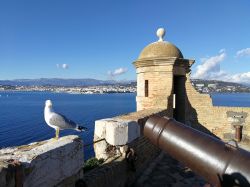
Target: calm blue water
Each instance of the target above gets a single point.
(22, 122)
(231, 99)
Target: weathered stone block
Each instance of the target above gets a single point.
(49, 162)
(100, 148)
(117, 132)
(122, 132)
(100, 127)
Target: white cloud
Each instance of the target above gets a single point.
(63, 66)
(222, 51)
(117, 72)
(210, 67)
(243, 52)
(240, 77)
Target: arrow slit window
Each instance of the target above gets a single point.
(146, 88)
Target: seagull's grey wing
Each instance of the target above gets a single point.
(61, 121)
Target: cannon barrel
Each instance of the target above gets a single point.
(204, 154)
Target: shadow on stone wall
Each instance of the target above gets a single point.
(122, 170)
(191, 116)
(193, 121)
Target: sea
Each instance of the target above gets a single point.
(22, 118)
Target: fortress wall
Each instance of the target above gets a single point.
(219, 120)
(44, 163)
(117, 170)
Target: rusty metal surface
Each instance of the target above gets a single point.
(238, 132)
(209, 157)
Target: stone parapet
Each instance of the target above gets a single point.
(115, 139)
(119, 131)
(219, 120)
(117, 170)
(44, 163)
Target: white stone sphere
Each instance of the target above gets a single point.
(160, 33)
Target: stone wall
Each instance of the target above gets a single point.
(218, 120)
(116, 170)
(119, 135)
(45, 163)
(155, 71)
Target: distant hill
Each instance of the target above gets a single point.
(60, 82)
(209, 86)
(221, 83)
(95, 82)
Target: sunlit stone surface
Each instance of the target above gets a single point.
(49, 162)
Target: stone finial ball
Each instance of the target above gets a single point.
(160, 33)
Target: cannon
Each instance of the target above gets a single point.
(220, 163)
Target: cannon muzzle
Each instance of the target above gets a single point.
(218, 162)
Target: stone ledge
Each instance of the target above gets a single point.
(117, 131)
(120, 130)
(123, 129)
(45, 163)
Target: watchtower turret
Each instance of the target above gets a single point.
(161, 73)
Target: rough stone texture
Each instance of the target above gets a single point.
(116, 171)
(119, 131)
(112, 173)
(100, 127)
(159, 72)
(158, 91)
(47, 163)
(160, 49)
(116, 131)
(166, 171)
(100, 148)
(116, 166)
(71, 181)
(201, 114)
(122, 132)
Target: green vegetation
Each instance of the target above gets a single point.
(92, 163)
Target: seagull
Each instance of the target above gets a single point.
(59, 121)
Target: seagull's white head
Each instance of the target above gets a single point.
(48, 103)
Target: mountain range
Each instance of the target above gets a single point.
(221, 83)
(60, 82)
(89, 82)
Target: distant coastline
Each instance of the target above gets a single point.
(92, 86)
(108, 89)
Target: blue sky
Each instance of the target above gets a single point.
(101, 39)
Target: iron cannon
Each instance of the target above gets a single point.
(220, 163)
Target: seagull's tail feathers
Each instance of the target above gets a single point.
(81, 128)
